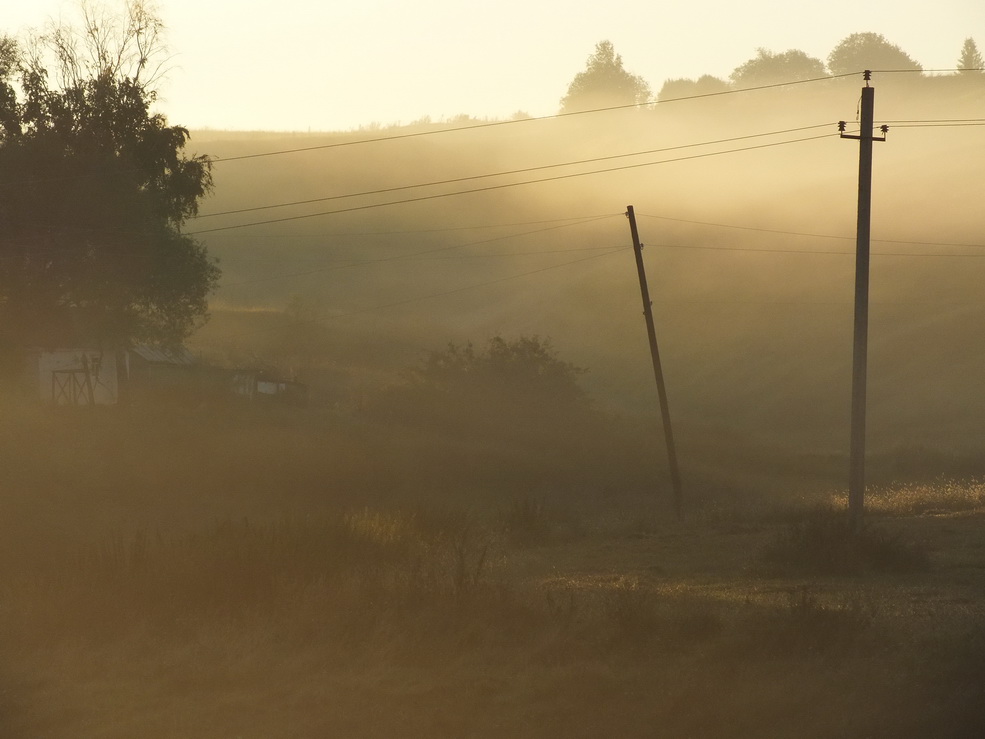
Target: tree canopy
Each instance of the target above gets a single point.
(971, 59)
(94, 190)
(509, 383)
(681, 88)
(767, 68)
(604, 83)
(871, 51)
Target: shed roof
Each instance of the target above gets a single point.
(160, 355)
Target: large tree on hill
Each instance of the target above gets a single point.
(872, 51)
(971, 59)
(684, 88)
(511, 385)
(604, 83)
(767, 68)
(94, 190)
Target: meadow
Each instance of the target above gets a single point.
(264, 572)
(215, 569)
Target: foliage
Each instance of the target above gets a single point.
(95, 190)
(872, 51)
(303, 338)
(807, 625)
(680, 88)
(527, 365)
(767, 68)
(971, 58)
(527, 522)
(824, 543)
(511, 381)
(604, 83)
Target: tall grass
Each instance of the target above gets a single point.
(824, 542)
(943, 495)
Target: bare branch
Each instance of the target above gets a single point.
(122, 46)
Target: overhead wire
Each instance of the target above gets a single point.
(430, 296)
(808, 234)
(490, 188)
(432, 251)
(505, 173)
(483, 125)
(494, 124)
(763, 250)
(923, 71)
(435, 183)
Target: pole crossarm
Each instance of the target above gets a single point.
(843, 124)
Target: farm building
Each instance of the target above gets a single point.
(88, 377)
(263, 385)
(75, 376)
(155, 372)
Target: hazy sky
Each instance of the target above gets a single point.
(339, 64)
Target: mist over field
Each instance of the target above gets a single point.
(460, 521)
(750, 255)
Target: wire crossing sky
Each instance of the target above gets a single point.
(299, 65)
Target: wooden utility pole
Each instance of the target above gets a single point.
(675, 474)
(856, 473)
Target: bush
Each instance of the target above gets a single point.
(527, 522)
(823, 542)
(805, 625)
(512, 386)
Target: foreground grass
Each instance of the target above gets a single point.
(265, 599)
(426, 623)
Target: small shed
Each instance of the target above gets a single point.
(263, 385)
(156, 364)
(155, 372)
(75, 376)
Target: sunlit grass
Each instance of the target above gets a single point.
(909, 498)
(261, 554)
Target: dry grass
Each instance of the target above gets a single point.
(914, 498)
(824, 542)
(288, 579)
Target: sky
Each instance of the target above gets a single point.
(335, 65)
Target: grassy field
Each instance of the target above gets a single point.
(201, 569)
(297, 573)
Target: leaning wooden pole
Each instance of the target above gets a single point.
(675, 473)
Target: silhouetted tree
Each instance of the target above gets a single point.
(604, 83)
(94, 189)
(682, 88)
(872, 51)
(971, 59)
(302, 339)
(767, 68)
(510, 382)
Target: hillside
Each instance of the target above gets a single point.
(749, 254)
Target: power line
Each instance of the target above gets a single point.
(810, 235)
(742, 249)
(415, 254)
(323, 235)
(430, 296)
(921, 71)
(938, 125)
(429, 254)
(504, 173)
(494, 124)
(932, 120)
(490, 188)
(488, 124)
(781, 232)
